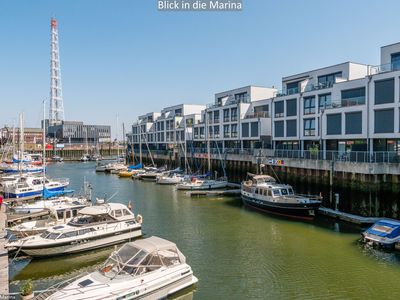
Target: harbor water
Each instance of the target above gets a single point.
(235, 252)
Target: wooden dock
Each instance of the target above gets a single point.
(3, 255)
(213, 193)
(355, 219)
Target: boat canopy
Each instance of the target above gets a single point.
(261, 178)
(142, 256)
(101, 209)
(135, 167)
(385, 228)
(48, 194)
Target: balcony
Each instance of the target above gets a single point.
(234, 118)
(227, 135)
(286, 92)
(344, 103)
(385, 68)
(234, 134)
(216, 121)
(226, 119)
(259, 114)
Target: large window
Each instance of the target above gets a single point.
(333, 124)
(354, 122)
(384, 91)
(326, 81)
(384, 121)
(254, 129)
(196, 133)
(241, 97)
(395, 60)
(291, 128)
(234, 133)
(234, 114)
(261, 111)
(309, 105)
(325, 100)
(353, 97)
(292, 88)
(309, 127)
(227, 133)
(245, 129)
(278, 128)
(226, 115)
(216, 116)
(279, 109)
(291, 107)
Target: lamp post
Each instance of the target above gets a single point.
(320, 133)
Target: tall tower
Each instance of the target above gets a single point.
(56, 112)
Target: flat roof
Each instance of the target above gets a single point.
(390, 45)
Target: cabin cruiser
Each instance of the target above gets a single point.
(384, 233)
(20, 168)
(151, 268)
(115, 168)
(202, 184)
(263, 193)
(40, 205)
(32, 186)
(152, 174)
(94, 227)
(62, 210)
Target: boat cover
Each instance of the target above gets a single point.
(385, 228)
(48, 194)
(135, 167)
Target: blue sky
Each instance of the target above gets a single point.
(124, 57)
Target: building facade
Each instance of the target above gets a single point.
(75, 132)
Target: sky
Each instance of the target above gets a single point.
(125, 58)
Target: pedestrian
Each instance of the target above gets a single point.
(1, 201)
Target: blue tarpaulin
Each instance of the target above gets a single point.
(48, 194)
(135, 167)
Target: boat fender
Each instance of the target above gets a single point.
(139, 219)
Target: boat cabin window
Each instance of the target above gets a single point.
(68, 214)
(85, 231)
(68, 234)
(36, 181)
(117, 213)
(49, 235)
(276, 192)
(290, 191)
(74, 212)
(60, 214)
(126, 212)
(284, 192)
(269, 193)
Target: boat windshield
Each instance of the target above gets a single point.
(49, 235)
(130, 260)
(276, 192)
(383, 228)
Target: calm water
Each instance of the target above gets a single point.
(236, 253)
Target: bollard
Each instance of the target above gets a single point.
(336, 202)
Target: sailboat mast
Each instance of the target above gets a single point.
(123, 140)
(184, 149)
(117, 138)
(21, 141)
(44, 146)
(140, 141)
(208, 143)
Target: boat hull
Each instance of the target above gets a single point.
(301, 211)
(211, 186)
(86, 245)
(38, 192)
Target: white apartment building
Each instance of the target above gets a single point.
(239, 118)
(346, 107)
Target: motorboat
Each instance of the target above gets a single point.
(57, 158)
(40, 205)
(32, 186)
(170, 179)
(263, 193)
(101, 167)
(115, 168)
(151, 268)
(202, 184)
(61, 212)
(94, 227)
(384, 233)
(20, 168)
(152, 173)
(131, 171)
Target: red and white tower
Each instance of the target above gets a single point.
(56, 112)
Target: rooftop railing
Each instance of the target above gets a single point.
(391, 67)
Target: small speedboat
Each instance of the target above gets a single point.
(151, 268)
(85, 158)
(384, 234)
(202, 184)
(170, 179)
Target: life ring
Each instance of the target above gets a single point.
(139, 219)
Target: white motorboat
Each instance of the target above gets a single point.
(85, 158)
(20, 167)
(60, 213)
(151, 268)
(40, 205)
(95, 227)
(202, 184)
(170, 179)
(115, 168)
(32, 186)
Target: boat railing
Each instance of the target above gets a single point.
(310, 197)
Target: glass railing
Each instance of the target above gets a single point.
(391, 67)
(259, 114)
(285, 92)
(344, 103)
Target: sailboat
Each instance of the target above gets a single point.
(85, 157)
(204, 184)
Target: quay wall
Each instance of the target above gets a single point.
(357, 176)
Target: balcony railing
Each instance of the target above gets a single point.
(285, 92)
(226, 119)
(259, 114)
(344, 103)
(234, 118)
(349, 156)
(391, 67)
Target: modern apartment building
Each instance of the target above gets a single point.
(173, 125)
(239, 118)
(75, 132)
(346, 107)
